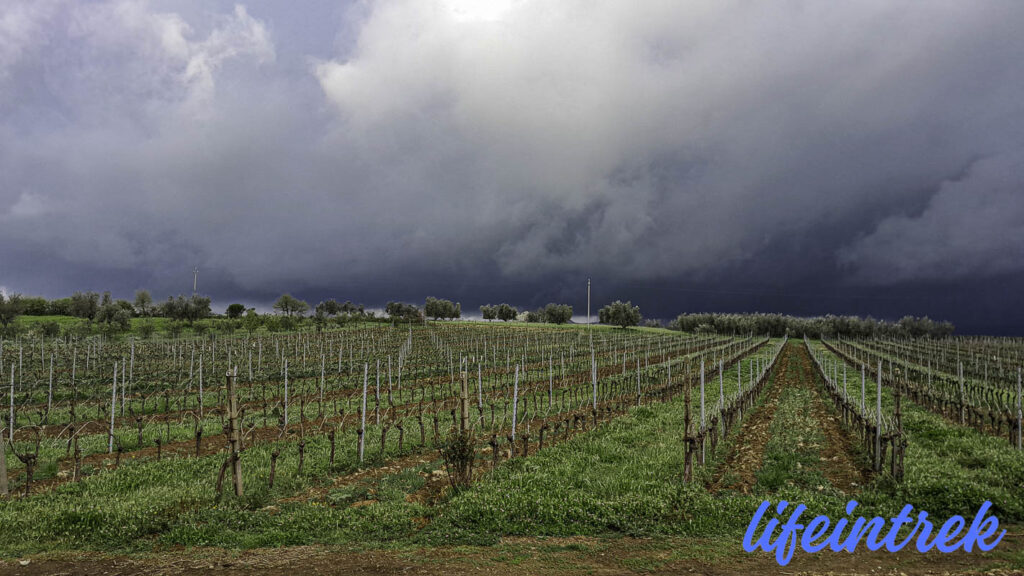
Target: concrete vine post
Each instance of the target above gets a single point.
(1020, 415)
(878, 421)
(703, 416)
(515, 404)
(4, 489)
(113, 410)
(362, 412)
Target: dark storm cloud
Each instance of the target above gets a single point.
(795, 156)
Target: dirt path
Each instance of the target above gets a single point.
(838, 463)
(747, 454)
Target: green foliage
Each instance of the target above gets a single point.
(435, 308)
(402, 312)
(146, 330)
(778, 325)
(143, 303)
(557, 313)
(50, 329)
(252, 321)
(291, 306)
(10, 308)
(185, 309)
(235, 310)
(85, 304)
(621, 314)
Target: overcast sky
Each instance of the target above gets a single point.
(794, 156)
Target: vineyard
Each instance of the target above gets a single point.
(467, 433)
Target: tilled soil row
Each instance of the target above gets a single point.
(838, 461)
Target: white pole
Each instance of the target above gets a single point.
(201, 386)
(10, 428)
(515, 404)
(49, 394)
(551, 378)
(721, 384)
(588, 303)
(702, 417)
(739, 376)
(863, 389)
(878, 421)
(362, 437)
(285, 392)
(323, 375)
(593, 374)
(637, 380)
(1020, 416)
(113, 407)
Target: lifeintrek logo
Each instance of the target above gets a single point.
(820, 533)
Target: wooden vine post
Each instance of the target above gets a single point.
(234, 434)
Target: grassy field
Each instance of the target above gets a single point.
(615, 488)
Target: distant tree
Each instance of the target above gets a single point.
(272, 323)
(403, 312)
(652, 323)
(319, 319)
(59, 307)
(329, 307)
(252, 321)
(85, 304)
(235, 310)
(534, 316)
(829, 326)
(436, 308)
(10, 309)
(114, 316)
(185, 309)
(143, 303)
(34, 306)
(290, 306)
(489, 312)
(557, 313)
(621, 314)
(504, 312)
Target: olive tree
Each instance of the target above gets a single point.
(235, 310)
(619, 313)
(290, 305)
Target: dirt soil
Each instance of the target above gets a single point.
(838, 461)
(745, 457)
(546, 556)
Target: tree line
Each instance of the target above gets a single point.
(814, 327)
(114, 315)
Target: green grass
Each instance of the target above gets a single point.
(624, 478)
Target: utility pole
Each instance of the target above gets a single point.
(588, 303)
(195, 279)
